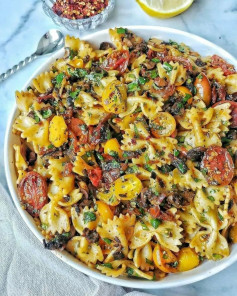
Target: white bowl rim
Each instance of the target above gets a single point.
(65, 256)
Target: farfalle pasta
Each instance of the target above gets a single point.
(127, 155)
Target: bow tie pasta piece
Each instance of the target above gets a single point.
(93, 115)
(209, 242)
(119, 39)
(128, 222)
(79, 47)
(174, 72)
(85, 100)
(61, 185)
(143, 257)
(20, 163)
(231, 82)
(148, 106)
(204, 115)
(189, 224)
(221, 119)
(73, 197)
(33, 132)
(192, 179)
(114, 268)
(168, 235)
(24, 100)
(55, 218)
(216, 74)
(87, 253)
(43, 82)
(112, 229)
(86, 218)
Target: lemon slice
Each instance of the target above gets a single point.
(164, 8)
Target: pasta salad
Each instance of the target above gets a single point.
(128, 155)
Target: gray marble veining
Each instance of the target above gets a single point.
(22, 22)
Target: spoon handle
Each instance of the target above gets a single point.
(17, 67)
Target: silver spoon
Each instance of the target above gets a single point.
(50, 42)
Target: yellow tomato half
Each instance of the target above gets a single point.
(104, 211)
(127, 187)
(112, 145)
(163, 125)
(188, 259)
(58, 133)
(114, 97)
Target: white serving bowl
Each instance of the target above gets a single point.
(203, 271)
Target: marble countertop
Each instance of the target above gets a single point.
(22, 22)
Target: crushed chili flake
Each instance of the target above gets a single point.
(76, 9)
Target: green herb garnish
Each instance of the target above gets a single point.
(58, 80)
(46, 113)
(133, 86)
(211, 198)
(107, 240)
(155, 60)
(176, 152)
(121, 31)
(167, 67)
(74, 94)
(89, 216)
(155, 223)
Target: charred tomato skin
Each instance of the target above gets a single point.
(218, 165)
(33, 193)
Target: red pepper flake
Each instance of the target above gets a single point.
(77, 9)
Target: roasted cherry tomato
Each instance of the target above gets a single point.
(164, 259)
(203, 87)
(33, 193)
(95, 175)
(219, 166)
(104, 211)
(78, 127)
(188, 259)
(68, 169)
(233, 107)
(217, 61)
(112, 146)
(73, 145)
(117, 60)
(114, 97)
(163, 125)
(127, 187)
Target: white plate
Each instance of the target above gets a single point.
(206, 269)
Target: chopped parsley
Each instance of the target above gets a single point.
(142, 80)
(58, 80)
(107, 240)
(167, 67)
(149, 261)
(133, 86)
(109, 265)
(155, 223)
(211, 198)
(221, 218)
(89, 217)
(74, 94)
(136, 131)
(72, 54)
(144, 226)
(155, 60)
(121, 31)
(46, 113)
(176, 152)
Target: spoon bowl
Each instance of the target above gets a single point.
(50, 42)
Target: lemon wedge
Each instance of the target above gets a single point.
(164, 8)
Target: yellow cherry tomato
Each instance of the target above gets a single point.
(163, 125)
(184, 90)
(111, 146)
(114, 97)
(104, 211)
(164, 259)
(76, 63)
(187, 259)
(127, 187)
(108, 197)
(58, 133)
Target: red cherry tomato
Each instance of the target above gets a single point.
(68, 169)
(95, 175)
(78, 127)
(203, 87)
(117, 60)
(217, 61)
(219, 166)
(33, 193)
(233, 107)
